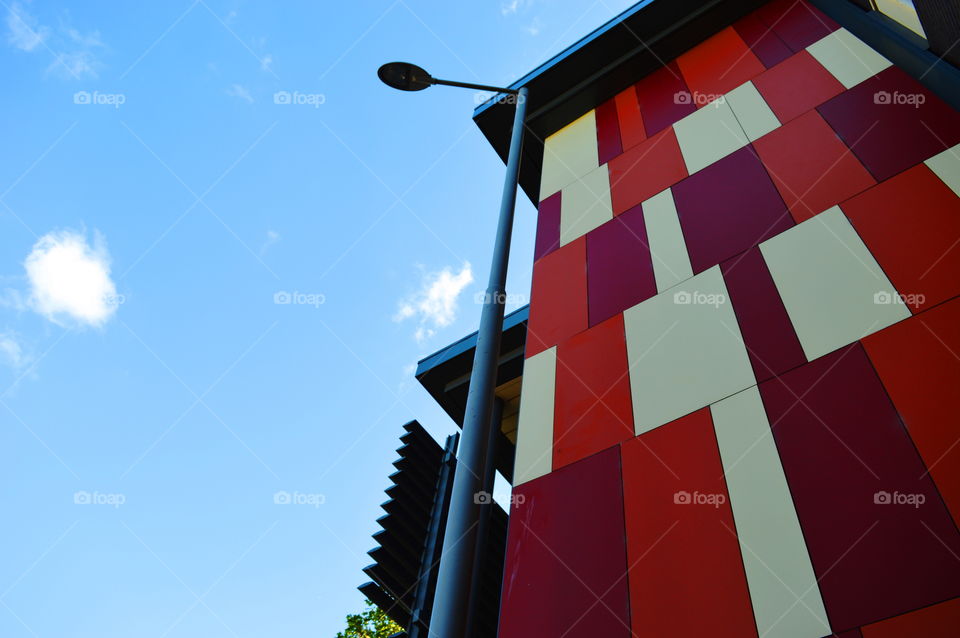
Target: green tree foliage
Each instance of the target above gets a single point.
(371, 623)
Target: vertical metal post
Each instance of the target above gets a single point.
(451, 601)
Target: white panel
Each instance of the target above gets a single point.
(569, 154)
(752, 111)
(685, 351)
(709, 134)
(847, 57)
(832, 287)
(534, 456)
(585, 204)
(783, 586)
(947, 167)
(671, 264)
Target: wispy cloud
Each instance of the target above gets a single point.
(510, 7)
(241, 92)
(266, 63)
(74, 52)
(434, 304)
(534, 27)
(11, 352)
(24, 32)
(272, 238)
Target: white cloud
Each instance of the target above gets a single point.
(70, 279)
(11, 351)
(74, 51)
(266, 64)
(510, 7)
(240, 91)
(23, 30)
(434, 305)
(534, 27)
(272, 238)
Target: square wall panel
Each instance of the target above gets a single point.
(558, 297)
(566, 554)
(847, 57)
(751, 111)
(812, 169)
(796, 86)
(664, 98)
(936, 621)
(548, 226)
(632, 131)
(608, 132)
(685, 351)
(645, 170)
(762, 40)
(946, 165)
(708, 135)
(619, 266)
(534, 455)
(728, 207)
(911, 224)
(585, 205)
(592, 410)
(569, 154)
(717, 65)
(668, 250)
(796, 22)
(686, 576)
(832, 287)
(774, 552)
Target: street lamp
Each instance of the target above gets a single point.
(451, 602)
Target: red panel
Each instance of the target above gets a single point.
(938, 621)
(728, 207)
(686, 574)
(797, 85)
(917, 362)
(548, 226)
(645, 170)
(771, 342)
(566, 554)
(811, 168)
(632, 131)
(593, 409)
(718, 65)
(845, 453)
(892, 122)
(608, 132)
(663, 98)
(911, 224)
(619, 266)
(762, 40)
(796, 22)
(558, 297)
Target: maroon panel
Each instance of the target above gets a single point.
(880, 539)
(608, 131)
(762, 40)
(796, 22)
(891, 122)
(853, 633)
(619, 266)
(566, 562)
(548, 226)
(664, 98)
(728, 207)
(772, 344)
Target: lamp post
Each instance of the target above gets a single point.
(457, 562)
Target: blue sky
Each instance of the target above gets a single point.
(158, 207)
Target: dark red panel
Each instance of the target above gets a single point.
(619, 266)
(548, 226)
(853, 633)
(845, 454)
(664, 98)
(686, 574)
(593, 409)
(645, 170)
(608, 132)
(911, 224)
(917, 362)
(771, 342)
(812, 169)
(797, 85)
(796, 22)
(718, 65)
(728, 207)
(892, 122)
(762, 40)
(938, 621)
(632, 131)
(566, 555)
(558, 297)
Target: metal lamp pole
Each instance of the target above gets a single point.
(457, 562)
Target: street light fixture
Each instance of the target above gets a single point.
(451, 602)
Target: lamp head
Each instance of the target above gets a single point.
(404, 76)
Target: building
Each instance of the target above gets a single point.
(739, 409)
